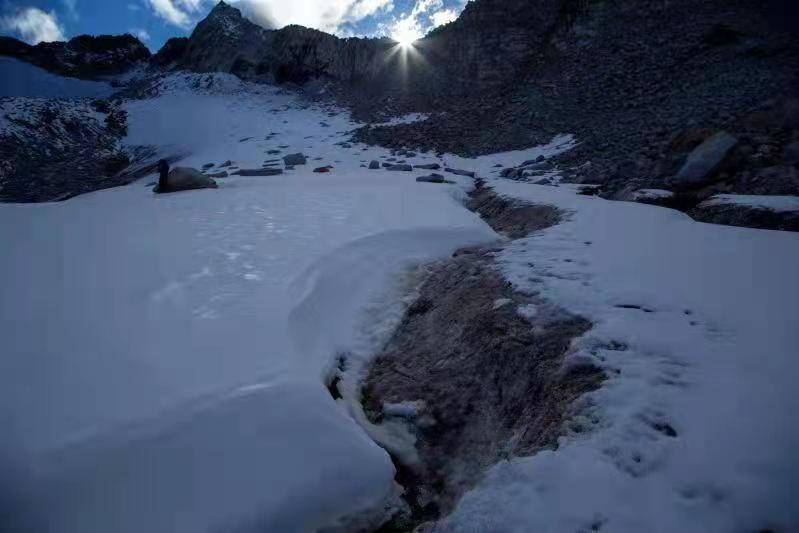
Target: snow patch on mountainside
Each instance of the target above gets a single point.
(18, 78)
(694, 326)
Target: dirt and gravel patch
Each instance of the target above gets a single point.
(475, 371)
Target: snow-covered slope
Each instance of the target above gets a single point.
(165, 357)
(18, 78)
(695, 325)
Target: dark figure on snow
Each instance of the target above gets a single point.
(163, 171)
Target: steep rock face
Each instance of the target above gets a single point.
(171, 53)
(224, 41)
(486, 47)
(492, 41)
(84, 56)
(227, 42)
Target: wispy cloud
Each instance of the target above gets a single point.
(71, 7)
(443, 16)
(141, 33)
(332, 16)
(178, 12)
(33, 25)
(325, 15)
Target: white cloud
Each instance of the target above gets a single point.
(326, 15)
(34, 25)
(141, 33)
(177, 12)
(425, 15)
(443, 16)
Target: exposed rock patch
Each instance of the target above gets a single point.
(474, 380)
(512, 218)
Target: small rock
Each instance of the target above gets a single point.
(428, 166)
(400, 168)
(432, 178)
(457, 172)
(374, 165)
(258, 172)
(322, 170)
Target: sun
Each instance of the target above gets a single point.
(406, 33)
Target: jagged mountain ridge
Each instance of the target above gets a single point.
(85, 56)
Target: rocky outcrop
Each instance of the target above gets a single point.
(85, 56)
(170, 55)
(703, 161)
(488, 46)
(55, 149)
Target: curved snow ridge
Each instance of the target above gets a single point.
(332, 290)
(119, 484)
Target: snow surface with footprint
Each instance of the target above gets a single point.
(165, 357)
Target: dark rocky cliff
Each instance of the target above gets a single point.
(84, 56)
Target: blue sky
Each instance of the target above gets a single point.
(154, 21)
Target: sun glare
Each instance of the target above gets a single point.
(406, 33)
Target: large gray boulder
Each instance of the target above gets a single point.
(295, 159)
(186, 179)
(705, 160)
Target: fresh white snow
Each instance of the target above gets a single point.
(695, 325)
(780, 204)
(165, 357)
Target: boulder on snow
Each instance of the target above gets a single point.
(295, 159)
(400, 168)
(704, 160)
(186, 179)
(322, 170)
(432, 178)
(539, 159)
(511, 172)
(428, 166)
(457, 172)
(374, 165)
(258, 172)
